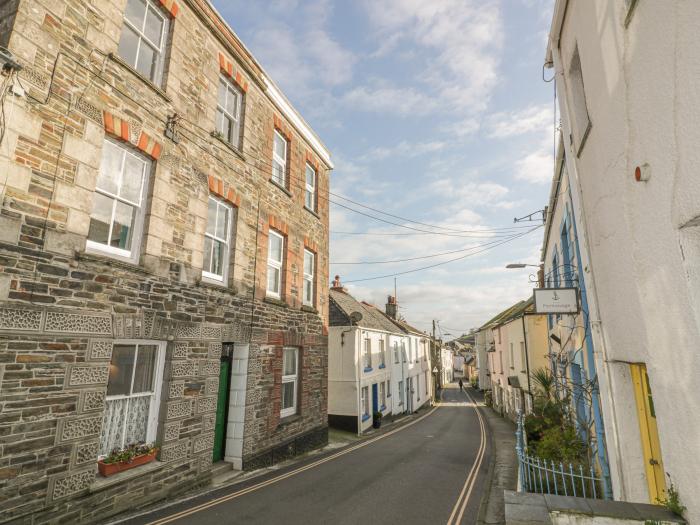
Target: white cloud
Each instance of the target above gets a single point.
(390, 100)
(463, 38)
(404, 149)
(508, 124)
(536, 167)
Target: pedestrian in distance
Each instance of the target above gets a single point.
(460, 385)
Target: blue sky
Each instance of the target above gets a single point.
(433, 111)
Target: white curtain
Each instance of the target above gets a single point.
(135, 411)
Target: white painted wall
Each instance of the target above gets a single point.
(642, 270)
(347, 375)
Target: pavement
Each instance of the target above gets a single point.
(432, 468)
(503, 471)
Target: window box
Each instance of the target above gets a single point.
(109, 469)
(368, 369)
(382, 366)
(365, 417)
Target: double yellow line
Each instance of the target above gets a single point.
(463, 499)
(263, 484)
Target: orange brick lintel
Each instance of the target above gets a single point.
(277, 224)
(311, 159)
(224, 191)
(149, 146)
(282, 127)
(171, 7)
(226, 67)
(310, 245)
(116, 126)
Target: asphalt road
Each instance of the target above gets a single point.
(431, 470)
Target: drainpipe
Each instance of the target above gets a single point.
(527, 359)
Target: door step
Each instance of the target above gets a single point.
(221, 467)
(222, 473)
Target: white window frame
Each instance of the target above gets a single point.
(226, 241)
(274, 264)
(137, 228)
(222, 113)
(310, 188)
(276, 159)
(364, 401)
(290, 378)
(396, 352)
(152, 423)
(160, 51)
(367, 354)
(382, 355)
(382, 395)
(309, 274)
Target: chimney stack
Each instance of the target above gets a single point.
(391, 307)
(337, 286)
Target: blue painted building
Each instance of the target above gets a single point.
(571, 347)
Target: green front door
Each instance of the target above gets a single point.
(221, 409)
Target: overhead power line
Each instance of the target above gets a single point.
(417, 229)
(443, 262)
(423, 256)
(446, 228)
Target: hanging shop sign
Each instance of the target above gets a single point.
(556, 300)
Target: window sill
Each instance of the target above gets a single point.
(282, 188)
(159, 91)
(365, 417)
(312, 212)
(216, 285)
(382, 366)
(275, 301)
(286, 420)
(228, 145)
(368, 369)
(101, 483)
(112, 260)
(309, 309)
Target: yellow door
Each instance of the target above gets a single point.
(649, 433)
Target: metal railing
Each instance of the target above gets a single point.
(547, 477)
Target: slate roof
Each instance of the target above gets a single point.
(342, 305)
(509, 313)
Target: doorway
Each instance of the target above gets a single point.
(375, 399)
(222, 402)
(649, 433)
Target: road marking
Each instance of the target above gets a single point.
(463, 498)
(263, 484)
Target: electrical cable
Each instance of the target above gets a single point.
(453, 230)
(420, 257)
(443, 262)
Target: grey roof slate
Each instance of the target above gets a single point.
(372, 318)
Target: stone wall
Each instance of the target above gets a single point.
(62, 307)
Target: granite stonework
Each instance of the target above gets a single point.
(62, 308)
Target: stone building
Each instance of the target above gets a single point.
(163, 256)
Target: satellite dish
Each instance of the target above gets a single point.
(356, 317)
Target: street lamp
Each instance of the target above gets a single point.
(539, 279)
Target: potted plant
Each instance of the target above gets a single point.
(131, 456)
(376, 420)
